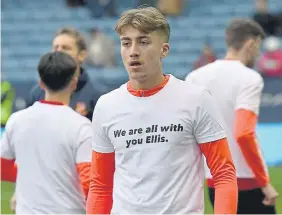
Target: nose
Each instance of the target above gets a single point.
(134, 51)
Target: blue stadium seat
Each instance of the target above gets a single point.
(29, 26)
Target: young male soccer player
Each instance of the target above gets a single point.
(237, 90)
(84, 98)
(51, 144)
(150, 134)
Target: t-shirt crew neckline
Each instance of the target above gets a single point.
(152, 93)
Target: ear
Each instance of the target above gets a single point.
(82, 55)
(42, 85)
(73, 83)
(165, 50)
(249, 44)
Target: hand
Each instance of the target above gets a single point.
(270, 195)
(13, 203)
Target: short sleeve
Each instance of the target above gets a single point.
(208, 123)
(84, 141)
(7, 150)
(250, 95)
(101, 142)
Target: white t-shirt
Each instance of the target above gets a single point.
(233, 86)
(47, 142)
(158, 162)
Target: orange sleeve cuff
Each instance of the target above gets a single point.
(83, 170)
(245, 124)
(223, 172)
(8, 170)
(100, 198)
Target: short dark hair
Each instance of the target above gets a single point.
(56, 70)
(240, 30)
(79, 38)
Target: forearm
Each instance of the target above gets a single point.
(83, 170)
(101, 183)
(245, 123)
(219, 161)
(8, 170)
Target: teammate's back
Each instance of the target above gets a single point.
(228, 81)
(232, 84)
(46, 140)
(51, 145)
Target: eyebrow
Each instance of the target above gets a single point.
(140, 37)
(64, 45)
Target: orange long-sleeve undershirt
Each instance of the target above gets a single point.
(8, 170)
(84, 170)
(245, 124)
(219, 161)
(100, 198)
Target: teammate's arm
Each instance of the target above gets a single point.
(212, 140)
(246, 117)
(83, 156)
(8, 167)
(100, 198)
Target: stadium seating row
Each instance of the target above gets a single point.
(27, 32)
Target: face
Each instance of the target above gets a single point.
(261, 5)
(67, 44)
(252, 51)
(142, 53)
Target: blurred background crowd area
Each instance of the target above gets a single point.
(197, 38)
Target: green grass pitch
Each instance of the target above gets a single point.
(275, 174)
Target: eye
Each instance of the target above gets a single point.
(125, 43)
(66, 48)
(143, 42)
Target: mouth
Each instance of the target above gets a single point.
(135, 64)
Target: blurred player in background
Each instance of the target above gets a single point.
(150, 134)
(7, 99)
(51, 144)
(84, 98)
(237, 89)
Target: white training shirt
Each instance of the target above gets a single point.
(47, 142)
(158, 162)
(234, 86)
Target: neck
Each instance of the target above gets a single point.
(79, 68)
(148, 84)
(236, 56)
(62, 97)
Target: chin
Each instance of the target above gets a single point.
(140, 77)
